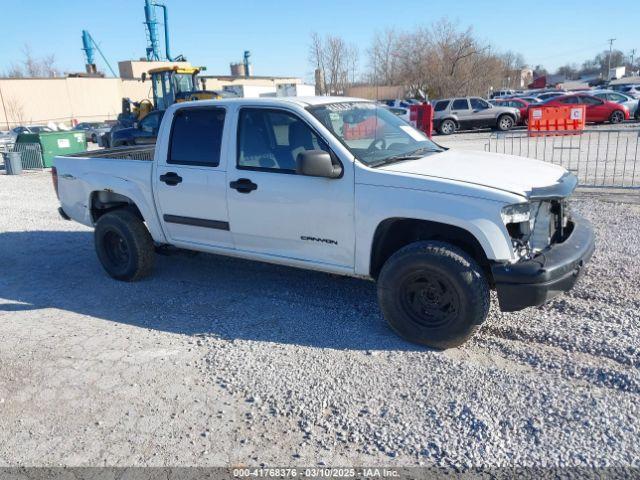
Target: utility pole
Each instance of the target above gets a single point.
(633, 54)
(611, 40)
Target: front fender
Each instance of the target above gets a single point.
(480, 217)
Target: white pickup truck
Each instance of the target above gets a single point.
(343, 186)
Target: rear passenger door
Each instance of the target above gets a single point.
(190, 183)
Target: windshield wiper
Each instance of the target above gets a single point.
(413, 155)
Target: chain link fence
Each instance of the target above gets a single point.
(30, 154)
(599, 158)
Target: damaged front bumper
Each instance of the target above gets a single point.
(553, 271)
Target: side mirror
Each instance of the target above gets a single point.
(136, 125)
(317, 163)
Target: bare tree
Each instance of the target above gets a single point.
(317, 59)
(31, 66)
(335, 60)
(383, 57)
(15, 110)
(440, 59)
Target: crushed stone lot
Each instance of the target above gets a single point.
(219, 361)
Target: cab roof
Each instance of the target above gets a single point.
(300, 101)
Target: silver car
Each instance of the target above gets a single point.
(466, 113)
(8, 138)
(93, 130)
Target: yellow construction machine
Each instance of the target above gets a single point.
(170, 85)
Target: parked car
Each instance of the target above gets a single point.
(403, 113)
(631, 90)
(529, 99)
(342, 186)
(143, 132)
(11, 136)
(84, 126)
(549, 95)
(400, 103)
(597, 110)
(502, 93)
(466, 113)
(621, 98)
(94, 134)
(518, 103)
(94, 130)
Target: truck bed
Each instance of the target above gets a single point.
(143, 153)
(127, 170)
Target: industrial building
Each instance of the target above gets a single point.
(91, 96)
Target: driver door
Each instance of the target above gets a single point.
(481, 113)
(275, 211)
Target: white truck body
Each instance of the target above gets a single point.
(328, 224)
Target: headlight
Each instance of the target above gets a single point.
(517, 213)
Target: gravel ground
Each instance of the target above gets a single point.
(218, 361)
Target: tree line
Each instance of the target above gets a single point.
(438, 60)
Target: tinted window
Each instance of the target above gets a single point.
(572, 100)
(460, 104)
(478, 104)
(441, 105)
(272, 139)
(196, 136)
(590, 100)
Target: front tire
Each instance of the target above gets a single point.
(124, 246)
(433, 293)
(505, 123)
(617, 117)
(447, 127)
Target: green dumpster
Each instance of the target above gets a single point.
(55, 143)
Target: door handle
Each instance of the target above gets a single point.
(171, 178)
(243, 185)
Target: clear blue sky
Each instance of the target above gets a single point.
(215, 33)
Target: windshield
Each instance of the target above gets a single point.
(372, 133)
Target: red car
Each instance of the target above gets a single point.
(518, 103)
(598, 111)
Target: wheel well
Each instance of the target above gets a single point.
(394, 233)
(513, 117)
(104, 201)
(453, 119)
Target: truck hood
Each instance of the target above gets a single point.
(509, 173)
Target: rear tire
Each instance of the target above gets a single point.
(617, 117)
(505, 123)
(433, 293)
(447, 127)
(124, 246)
